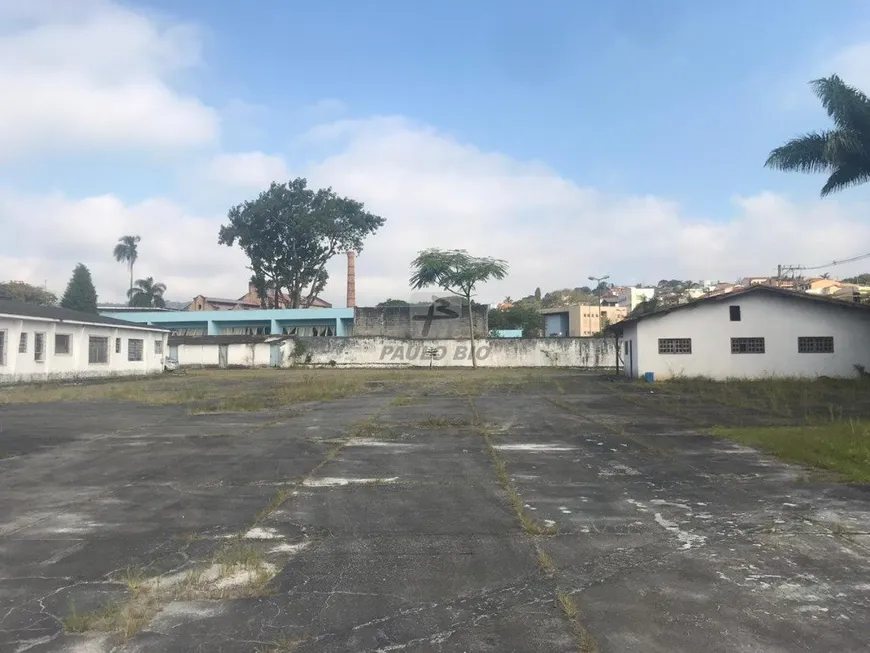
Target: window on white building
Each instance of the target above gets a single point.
(734, 313)
(675, 345)
(134, 349)
(39, 347)
(747, 345)
(62, 343)
(22, 344)
(98, 349)
(117, 345)
(158, 346)
(2, 348)
(816, 345)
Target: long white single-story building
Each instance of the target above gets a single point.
(759, 332)
(42, 343)
(231, 350)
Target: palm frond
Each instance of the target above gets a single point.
(848, 107)
(807, 153)
(844, 177)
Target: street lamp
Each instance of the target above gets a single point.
(598, 281)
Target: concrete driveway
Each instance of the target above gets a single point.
(371, 524)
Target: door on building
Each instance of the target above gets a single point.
(173, 352)
(275, 355)
(629, 358)
(223, 355)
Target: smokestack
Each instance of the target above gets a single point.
(351, 279)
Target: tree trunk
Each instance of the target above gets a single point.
(131, 276)
(471, 333)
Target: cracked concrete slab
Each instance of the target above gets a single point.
(381, 525)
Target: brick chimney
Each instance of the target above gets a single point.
(351, 279)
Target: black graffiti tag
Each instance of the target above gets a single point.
(442, 306)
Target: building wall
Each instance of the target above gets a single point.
(628, 351)
(779, 320)
(589, 353)
(408, 322)
(637, 296)
(238, 355)
(22, 367)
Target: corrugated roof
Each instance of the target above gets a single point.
(731, 296)
(20, 309)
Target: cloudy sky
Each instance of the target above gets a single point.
(574, 139)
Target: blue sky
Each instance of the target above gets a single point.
(544, 132)
(676, 97)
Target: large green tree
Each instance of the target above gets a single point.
(457, 272)
(289, 234)
(147, 293)
(127, 251)
(520, 315)
(80, 293)
(843, 152)
(27, 293)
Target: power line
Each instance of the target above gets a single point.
(793, 268)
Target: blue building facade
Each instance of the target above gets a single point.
(289, 321)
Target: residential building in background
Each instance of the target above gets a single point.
(44, 343)
(756, 332)
(580, 320)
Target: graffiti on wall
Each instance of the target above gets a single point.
(402, 352)
(439, 309)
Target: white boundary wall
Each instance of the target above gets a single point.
(589, 353)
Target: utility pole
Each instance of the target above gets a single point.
(598, 281)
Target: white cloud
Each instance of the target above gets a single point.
(437, 192)
(254, 170)
(434, 192)
(54, 233)
(95, 74)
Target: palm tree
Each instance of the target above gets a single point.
(843, 153)
(127, 250)
(147, 293)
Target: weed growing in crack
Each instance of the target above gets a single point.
(530, 525)
(585, 642)
(546, 562)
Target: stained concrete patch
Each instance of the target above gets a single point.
(333, 481)
(533, 448)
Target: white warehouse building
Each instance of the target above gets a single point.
(758, 332)
(42, 343)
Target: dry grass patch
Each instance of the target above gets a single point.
(238, 570)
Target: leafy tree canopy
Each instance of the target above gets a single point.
(27, 293)
(289, 234)
(391, 303)
(457, 272)
(843, 152)
(519, 316)
(80, 293)
(147, 293)
(861, 279)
